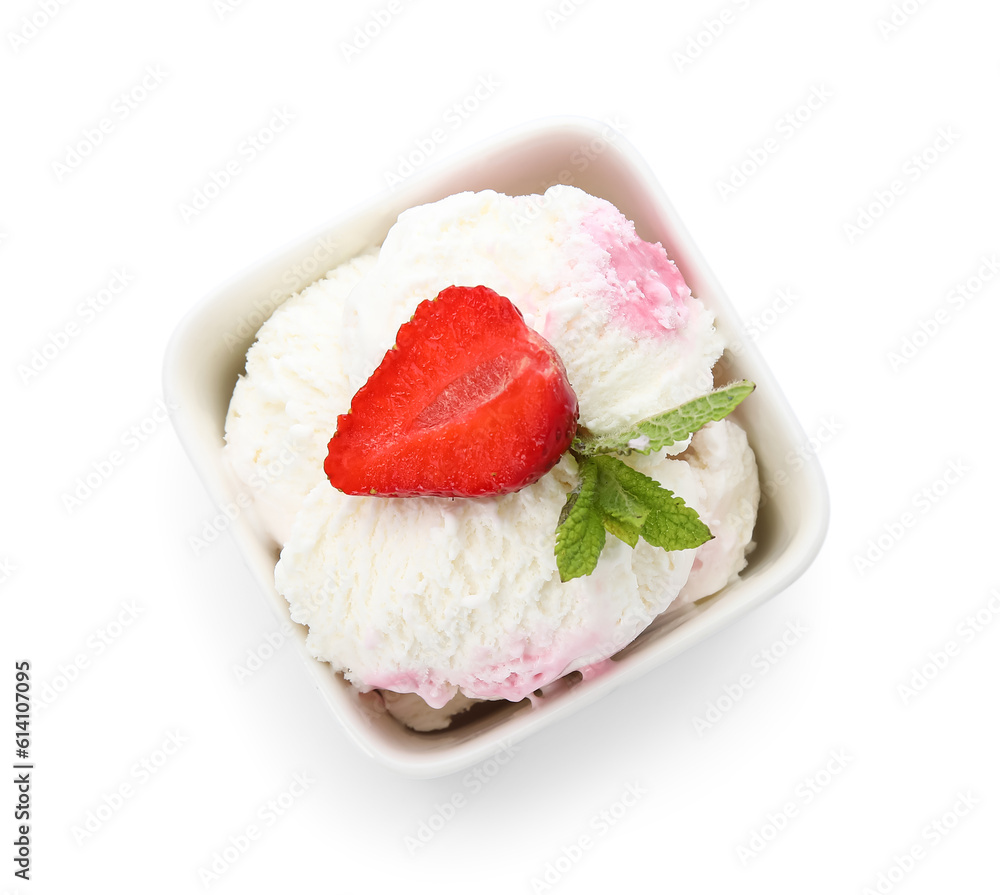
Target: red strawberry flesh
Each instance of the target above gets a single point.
(470, 401)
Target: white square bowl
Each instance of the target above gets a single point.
(207, 352)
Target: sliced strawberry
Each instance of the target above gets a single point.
(469, 401)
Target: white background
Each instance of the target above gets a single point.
(887, 431)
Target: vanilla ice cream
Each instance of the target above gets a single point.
(284, 409)
(444, 597)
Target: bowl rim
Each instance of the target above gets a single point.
(191, 421)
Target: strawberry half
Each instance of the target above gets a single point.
(469, 401)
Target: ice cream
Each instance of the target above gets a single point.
(461, 598)
(285, 407)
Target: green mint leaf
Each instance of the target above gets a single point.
(670, 523)
(676, 527)
(621, 513)
(668, 428)
(623, 529)
(580, 531)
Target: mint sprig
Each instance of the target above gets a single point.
(616, 498)
(613, 497)
(665, 429)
